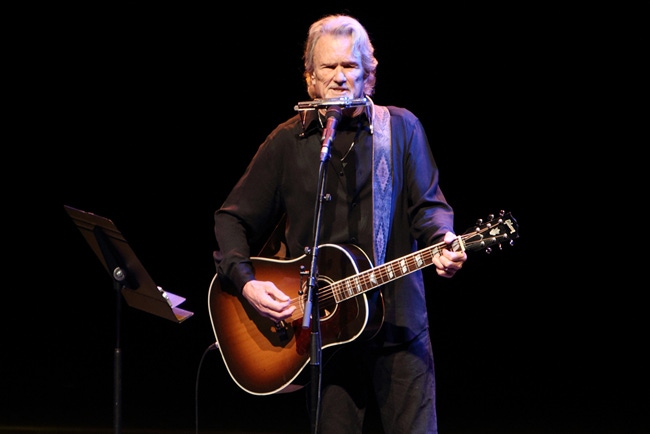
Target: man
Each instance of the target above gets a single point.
(381, 194)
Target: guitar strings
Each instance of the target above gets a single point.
(369, 279)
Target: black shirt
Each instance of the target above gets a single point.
(283, 178)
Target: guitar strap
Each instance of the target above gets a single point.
(382, 180)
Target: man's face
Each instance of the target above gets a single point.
(337, 68)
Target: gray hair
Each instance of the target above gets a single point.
(342, 25)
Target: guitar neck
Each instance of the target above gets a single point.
(485, 234)
(387, 272)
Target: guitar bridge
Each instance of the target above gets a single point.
(280, 329)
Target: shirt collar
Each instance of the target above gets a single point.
(310, 122)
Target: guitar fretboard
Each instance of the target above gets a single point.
(374, 277)
(503, 229)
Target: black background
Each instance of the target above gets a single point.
(149, 116)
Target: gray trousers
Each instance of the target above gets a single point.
(369, 390)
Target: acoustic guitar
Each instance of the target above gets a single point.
(264, 357)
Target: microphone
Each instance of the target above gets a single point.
(320, 103)
(333, 116)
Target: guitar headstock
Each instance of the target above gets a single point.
(494, 231)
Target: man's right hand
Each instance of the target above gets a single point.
(268, 300)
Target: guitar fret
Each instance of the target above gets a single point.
(391, 273)
(357, 286)
(342, 289)
(350, 289)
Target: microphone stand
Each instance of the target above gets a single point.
(333, 115)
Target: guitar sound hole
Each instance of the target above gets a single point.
(327, 305)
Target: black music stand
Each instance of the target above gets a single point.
(130, 280)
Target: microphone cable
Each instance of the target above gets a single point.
(213, 346)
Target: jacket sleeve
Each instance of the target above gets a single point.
(247, 216)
